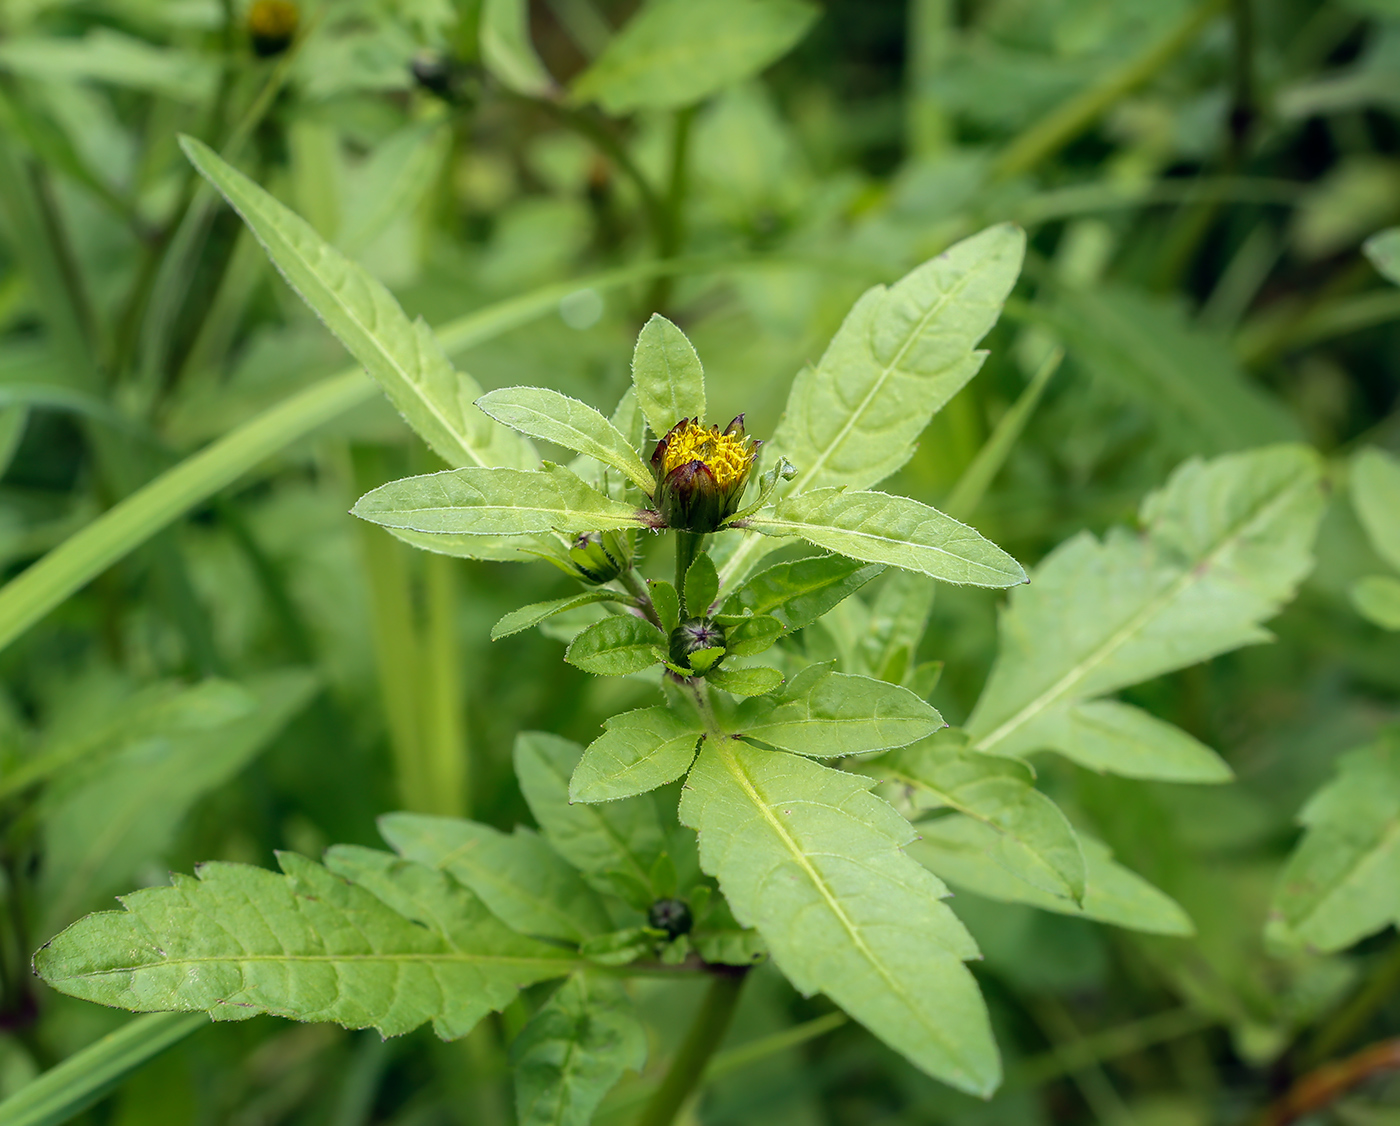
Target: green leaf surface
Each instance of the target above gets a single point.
(800, 592)
(756, 681)
(497, 549)
(898, 619)
(615, 845)
(751, 635)
(310, 944)
(1114, 737)
(495, 502)
(810, 858)
(506, 50)
(544, 413)
(1342, 882)
(616, 646)
(1034, 840)
(573, 1050)
(402, 356)
(1383, 249)
(674, 53)
(518, 876)
(701, 586)
(667, 376)
(1377, 599)
(1375, 491)
(1226, 542)
(666, 602)
(638, 751)
(532, 615)
(964, 851)
(108, 56)
(827, 714)
(880, 528)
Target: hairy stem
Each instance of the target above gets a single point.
(688, 1068)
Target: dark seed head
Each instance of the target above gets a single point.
(671, 916)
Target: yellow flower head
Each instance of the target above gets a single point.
(701, 473)
(271, 24)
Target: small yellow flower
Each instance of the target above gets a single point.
(701, 473)
(271, 24)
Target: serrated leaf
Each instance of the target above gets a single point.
(1375, 491)
(752, 635)
(1377, 599)
(402, 356)
(238, 941)
(756, 681)
(1383, 249)
(524, 882)
(573, 1050)
(1035, 841)
(615, 845)
(532, 615)
(495, 502)
(1111, 736)
(961, 849)
(497, 549)
(701, 586)
(667, 376)
(506, 50)
(1343, 880)
(638, 751)
(674, 53)
(800, 592)
(617, 645)
(546, 414)
(880, 528)
(835, 714)
(666, 602)
(810, 858)
(898, 619)
(1226, 543)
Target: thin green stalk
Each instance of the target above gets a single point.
(672, 231)
(688, 546)
(687, 1070)
(1109, 1045)
(972, 486)
(1067, 121)
(1348, 1021)
(446, 753)
(637, 586)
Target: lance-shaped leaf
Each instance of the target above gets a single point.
(813, 860)
(880, 528)
(1343, 881)
(506, 49)
(701, 585)
(615, 845)
(402, 356)
(1111, 736)
(638, 751)
(310, 945)
(963, 850)
(899, 356)
(616, 646)
(1226, 543)
(1375, 491)
(573, 1050)
(1377, 599)
(546, 414)
(1034, 840)
(519, 877)
(495, 502)
(667, 376)
(827, 714)
(537, 612)
(800, 592)
(497, 549)
(674, 53)
(897, 623)
(756, 681)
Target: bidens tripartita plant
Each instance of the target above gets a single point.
(777, 843)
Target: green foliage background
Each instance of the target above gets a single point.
(1186, 909)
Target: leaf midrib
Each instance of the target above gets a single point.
(236, 959)
(1196, 572)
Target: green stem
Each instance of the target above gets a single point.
(688, 545)
(688, 1067)
(672, 230)
(445, 750)
(1349, 1020)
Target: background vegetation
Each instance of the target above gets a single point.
(213, 660)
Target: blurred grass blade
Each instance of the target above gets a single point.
(65, 1091)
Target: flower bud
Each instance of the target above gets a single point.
(692, 636)
(670, 915)
(701, 473)
(271, 25)
(599, 557)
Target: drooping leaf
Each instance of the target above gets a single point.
(1034, 840)
(674, 53)
(573, 1050)
(1343, 881)
(1383, 249)
(524, 882)
(799, 593)
(827, 714)
(494, 502)
(614, 844)
(667, 376)
(1375, 491)
(544, 413)
(402, 356)
(238, 941)
(1226, 543)
(880, 528)
(1377, 599)
(506, 49)
(810, 858)
(638, 751)
(964, 851)
(897, 622)
(533, 614)
(617, 645)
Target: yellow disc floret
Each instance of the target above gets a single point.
(728, 456)
(701, 472)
